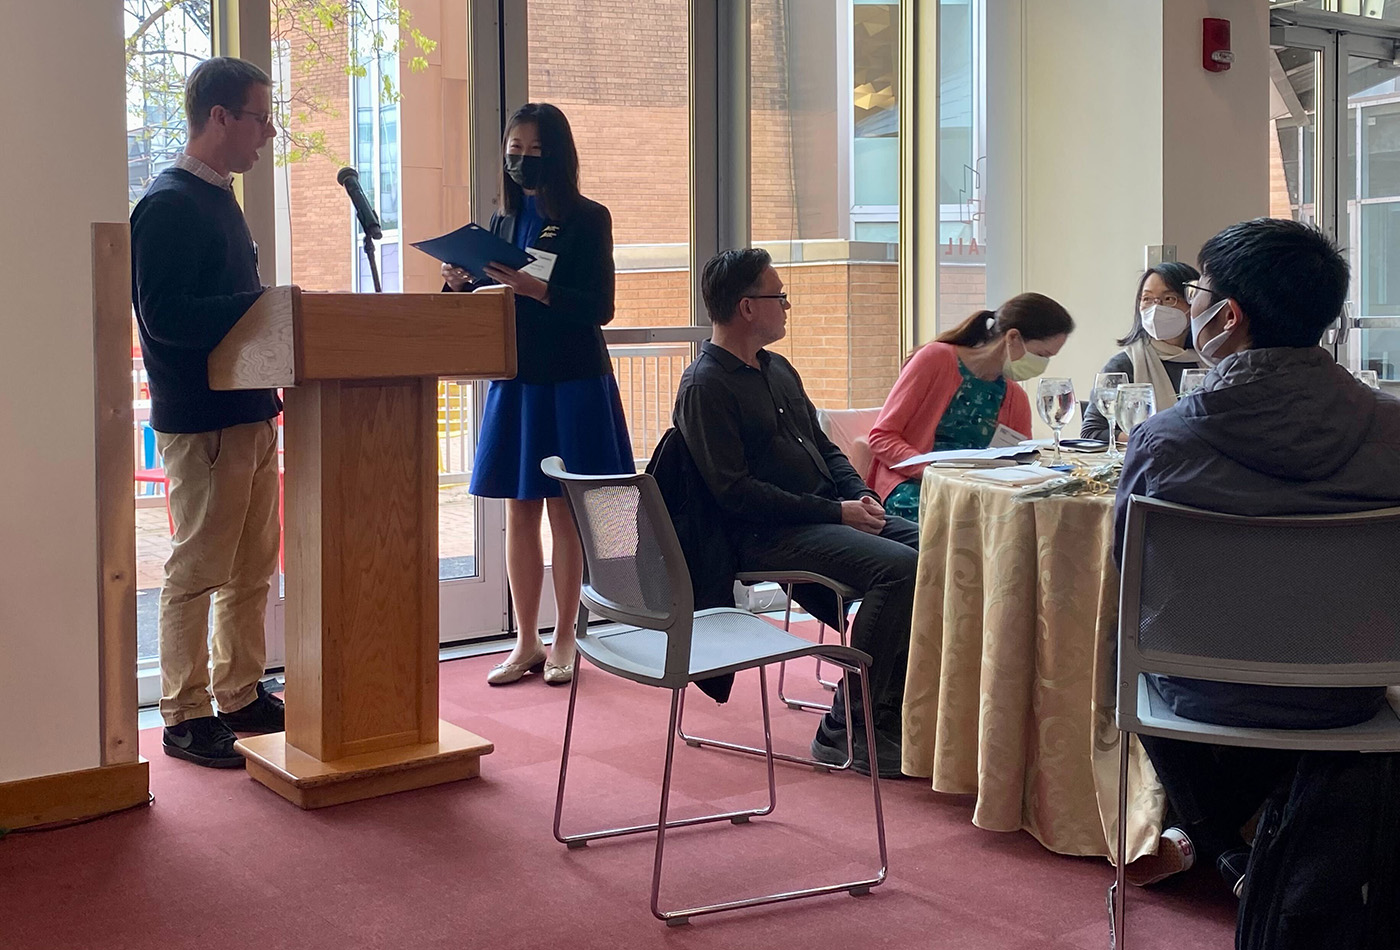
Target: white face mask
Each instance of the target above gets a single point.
(1207, 351)
(1162, 322)
(1027, 367)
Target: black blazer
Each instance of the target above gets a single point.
(564, 340)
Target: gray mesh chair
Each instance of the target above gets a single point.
(844, 596)
(636, 576)
(1309, 600)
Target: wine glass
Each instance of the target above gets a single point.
(1106, 401)
(1192, 380)
(1369, 377)
(1136, 402)
(1055, 400)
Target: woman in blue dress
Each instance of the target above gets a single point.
(564, 399)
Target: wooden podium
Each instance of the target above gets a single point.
(360, 373)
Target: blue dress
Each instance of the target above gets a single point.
(579, 420)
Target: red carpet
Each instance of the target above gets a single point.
(221, 862)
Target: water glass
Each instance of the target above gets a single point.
(1369, 377)
(1192, 380)
(1106, 401)
(1136, 403)
(1055, 401)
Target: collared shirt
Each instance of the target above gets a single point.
(756, 441)
(203, 172)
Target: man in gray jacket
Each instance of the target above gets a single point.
(1278, 428)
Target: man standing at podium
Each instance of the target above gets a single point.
(194, 275)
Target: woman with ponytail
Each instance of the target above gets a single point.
(954, 392)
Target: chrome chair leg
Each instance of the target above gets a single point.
(582, 839)
(821, 638)
(696, 742)
(1119, 894)
(674, 918)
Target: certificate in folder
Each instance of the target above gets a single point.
(471, 248)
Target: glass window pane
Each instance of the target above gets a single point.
(599, 62)
(824, 167)
(1380, 139)
(167, 42)
(962, 234)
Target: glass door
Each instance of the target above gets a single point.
(1335, 161)
(471, 530)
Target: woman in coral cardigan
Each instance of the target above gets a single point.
(953, 393)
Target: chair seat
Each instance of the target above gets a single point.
(844, 591)
(723, 640)
(1381, 733)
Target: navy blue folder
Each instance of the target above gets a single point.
(471, 248)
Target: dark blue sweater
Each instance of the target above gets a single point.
(194, 273)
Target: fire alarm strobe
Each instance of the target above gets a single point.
(1216, 54)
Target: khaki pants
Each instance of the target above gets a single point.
(223, 499)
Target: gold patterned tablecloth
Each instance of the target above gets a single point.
(1011, 666)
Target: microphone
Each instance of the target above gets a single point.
(369, 221)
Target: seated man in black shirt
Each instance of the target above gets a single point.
(791, 500)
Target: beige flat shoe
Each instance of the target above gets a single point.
(503, 674)
(559, 675)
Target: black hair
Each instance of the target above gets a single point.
(728, 276)
(1036, 316)
(1176, 275)
(558, 192)
(1289, 278)
(220, 81)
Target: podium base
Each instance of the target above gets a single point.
(310, 783)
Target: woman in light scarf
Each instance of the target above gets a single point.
(1158, 347)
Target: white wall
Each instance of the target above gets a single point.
(1105, 135)
(64, 166)
(1215, 126)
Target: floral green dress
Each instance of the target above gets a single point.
(969, 422)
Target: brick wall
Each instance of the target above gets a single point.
(618, 70)
(320, 213)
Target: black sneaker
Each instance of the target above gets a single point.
(829, 748)
(204, 741)
(267, 713)
(1232, 866)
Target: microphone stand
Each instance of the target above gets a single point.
(373, 265)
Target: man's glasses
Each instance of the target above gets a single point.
(261, 118)
(1195, 290)
(782, 297)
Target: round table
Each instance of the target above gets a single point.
(1011, 676)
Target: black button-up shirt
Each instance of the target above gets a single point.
(755, 439)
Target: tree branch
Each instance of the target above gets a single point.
(151, 20)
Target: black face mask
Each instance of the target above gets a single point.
(525, 170)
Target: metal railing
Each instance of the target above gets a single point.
(647, 362)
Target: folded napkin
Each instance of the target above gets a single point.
(1019, 475)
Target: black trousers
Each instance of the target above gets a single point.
(881, 567)
(1214, 790)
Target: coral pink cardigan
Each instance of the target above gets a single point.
(907, 424)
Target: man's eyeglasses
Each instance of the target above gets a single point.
(261, 118)
(782, 297)
(1195, 290)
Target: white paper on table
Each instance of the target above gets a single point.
(1012, 453)
(1005, 437)
(1020, 475)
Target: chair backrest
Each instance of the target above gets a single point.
(634, 571)
(849, 430)
(1300, 600)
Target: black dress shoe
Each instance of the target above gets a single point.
(267, 713)
(829, 747)
(204, 741)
